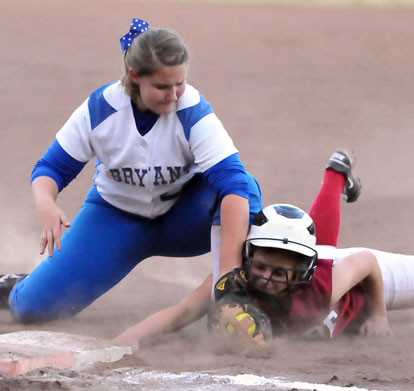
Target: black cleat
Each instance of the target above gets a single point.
(7, 282)
(343, 162)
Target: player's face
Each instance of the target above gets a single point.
(270, 270)
(160, 91)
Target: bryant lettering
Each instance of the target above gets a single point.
(135, 176)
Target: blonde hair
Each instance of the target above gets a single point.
(150, 51)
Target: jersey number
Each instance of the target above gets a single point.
(330, 320)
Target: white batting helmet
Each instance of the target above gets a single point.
(285, 227)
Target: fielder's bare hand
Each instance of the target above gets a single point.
(51, 216)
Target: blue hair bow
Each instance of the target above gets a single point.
(138, 26)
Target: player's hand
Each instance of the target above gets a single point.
(376, 326)
(127, 338)
(236, 323)
(52, 219)
(241, 328)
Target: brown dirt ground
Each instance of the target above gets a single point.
(291, 84)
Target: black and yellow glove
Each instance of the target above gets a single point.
(236, 323)
(232, 283)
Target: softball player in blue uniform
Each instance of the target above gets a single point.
(168, 182)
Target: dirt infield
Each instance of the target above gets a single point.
(291, 84)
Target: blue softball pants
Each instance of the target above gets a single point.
(104, 244)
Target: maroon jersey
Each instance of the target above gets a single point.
(311, 307)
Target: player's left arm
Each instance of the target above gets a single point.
(362, 268)
(218, 159)
(170, 319)
(229, 179)
(234, 226)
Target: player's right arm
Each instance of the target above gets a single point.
(362, 268)
(45, 191)
(170, 319)
(55, 170)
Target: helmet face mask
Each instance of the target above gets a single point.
(280, 255)
(277, 280)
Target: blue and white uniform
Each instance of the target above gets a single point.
(157, 189)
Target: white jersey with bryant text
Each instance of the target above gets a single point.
(144, 174)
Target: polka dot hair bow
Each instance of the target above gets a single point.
(138, 26)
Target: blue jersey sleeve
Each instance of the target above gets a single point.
(57, 164)
(229, 177)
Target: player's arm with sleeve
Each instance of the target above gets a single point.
(362, 268)
(228, 177)
(218, 159)
(55, 170)
(170, 319)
